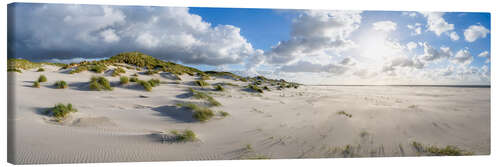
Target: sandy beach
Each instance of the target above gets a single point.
(307, 122)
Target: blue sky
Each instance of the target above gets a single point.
(307, 46)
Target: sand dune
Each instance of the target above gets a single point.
(307, 122)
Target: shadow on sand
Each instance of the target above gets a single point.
(176, 113)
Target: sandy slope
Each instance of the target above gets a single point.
(119, 125)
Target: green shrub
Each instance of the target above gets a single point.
(199, 113)
(146, 85)
(124, 80)
(14, 70)
(118, 71)
(40, 70)
(60, 111)
(134, 79)
(154, 82)
(99, 83)
(61, 85)
(185, 136)
(201, 83)
(98, 68)
(202, 95)
(219, 87)
(36, 84)
(42, 78)
(255, 88)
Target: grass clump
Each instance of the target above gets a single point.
(36, 84)
(14, 70)
(146, 85)
(219, 87)
(42, 78)
(40, 69)
(202, 95)
(118, 71)
(134, 79)
(255, 88)
(185, 136)
(438, 151)
(344, 113)
(223, 113)
(97, 68)
(99, 83)
(60, 111)
(78, 69)
(154, 82)
(124, 80)
(201, 83)
(199, 113)
(61, 84)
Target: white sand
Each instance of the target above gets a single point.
(118, 125)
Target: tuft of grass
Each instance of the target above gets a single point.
(40, 69)
(78, 69)
(199, 113)
(201, 83)
(154, 82)
(219, 87)
(60, 111)
(134, 79)
(61, 84)
(438, 151)
(42, 78)
(118, 71)
(151, 72)
(202, 95)
(124, 80)
(14, 70)
(146, 85)
(36, 84)
(185, 136)
(97, 68)
(205, 77)
(248, 147)
(223, 113)
(255, 88)
(344, 113)
(99, 83)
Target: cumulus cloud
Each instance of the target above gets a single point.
(305, 66)
(72, 60)
(315, 32)
(474, 32)
(386, 26)
(411, 14)
(463, 57)
(416, 28)
(483, 54)
(411, 45)
(431, 54)
(170, 33)
(454, 36)
(436, 23)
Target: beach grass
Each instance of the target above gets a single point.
(184, 136)
(205, 96)
(146, 85)
(199, 113)
(61, 84)
(60, 111)
(40, 69)
(201, 83)
(124, 80)
(99, 83)
(36, 84)
(42, 78)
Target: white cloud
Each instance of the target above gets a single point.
(411, 14)
(431, 54)
(411, 45)
(436, 23)
(463, 56)
(483, 54)
(454, 36)
(305, 66)
(416, 29)
(474, 32)
(109, 36)
(316, 33)
(72, 60)
(386, 26)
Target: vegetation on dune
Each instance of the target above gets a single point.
(61, 84)
(154, 82)
(225, 74)
(36, 84)
(42, 78)
(438, 151)
(201, 83)
(99, 83)
(255, 88)
(124, 80)
(151, 72)
(184, 136)
(118, 71)
(344, 113)
(14, 70)
(94, 66)
(60, 111)
(134, 79)
(219, 87)
(199, 113)
(223, 113)
(146, 85)
(201, 95)
(16, 65)
(40, 69)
